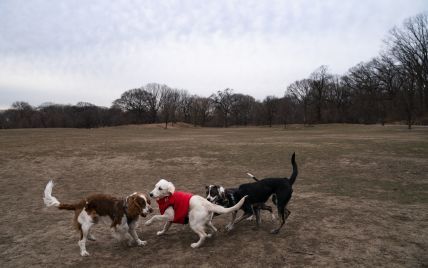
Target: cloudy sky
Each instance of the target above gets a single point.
(65, 51)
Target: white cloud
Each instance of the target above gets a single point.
(93, 51)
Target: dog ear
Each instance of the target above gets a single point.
(171, 187)
(222, 192)
(133, 206)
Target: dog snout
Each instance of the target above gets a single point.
(211, 198)
(151, 194)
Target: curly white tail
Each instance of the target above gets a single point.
(48, 199)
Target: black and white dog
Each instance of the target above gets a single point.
(228, 197)
(258, 193)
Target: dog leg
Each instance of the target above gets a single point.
(167, 216)
(154, 218)
(211, 225)
(251, 218)
(276, 231)
(82, 242)
(165, 228)
(122, 231)
(116, 233)
(134, 234)
(230, 225)
(268, 208)
(157, 218)
(258, 218)
(283, 215)
(273, 217)
(91, 237)
(86, 223)
(243, 217)
(199, 230)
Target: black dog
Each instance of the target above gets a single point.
(259, 192)
(230, 196)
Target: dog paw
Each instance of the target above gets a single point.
(160, 233)
(194, 245)
(84, 253)
(116, 235)
(229, 227)
(274, 231)
(209, 235)
(141, 243)
(91, 238)
(147, 223)
(251, 218)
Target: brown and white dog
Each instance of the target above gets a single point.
(121, 214)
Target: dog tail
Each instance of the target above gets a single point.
(50, 200)
(252, 176)
(222, 210)
(295, 170)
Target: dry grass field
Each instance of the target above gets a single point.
(361, 197)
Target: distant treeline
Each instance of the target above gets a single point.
(392, 87)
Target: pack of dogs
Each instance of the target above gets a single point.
(122, 213)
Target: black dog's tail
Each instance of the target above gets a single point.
(295, 171)
(252, 176)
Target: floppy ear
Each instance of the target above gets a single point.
(222, 192)
(171, 187)
(133, 206)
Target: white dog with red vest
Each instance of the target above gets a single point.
(178, 207)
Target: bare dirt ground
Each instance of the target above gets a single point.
(361, 198)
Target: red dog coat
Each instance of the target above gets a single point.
(180, 202)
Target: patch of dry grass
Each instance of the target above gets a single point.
(361, 198)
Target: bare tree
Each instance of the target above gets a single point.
(365, 92)
(201, 110)
(339, 96)
(169, 102)
(22, 106)
(409, 46)
(408, 98)
(390, 84)
(301, 90)
(285, 107)
(241, 109)
(319, 83)
(185, 106)
(223, 101)
(153, 99)
(271, 108)
(22, 113)
(134, 101)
